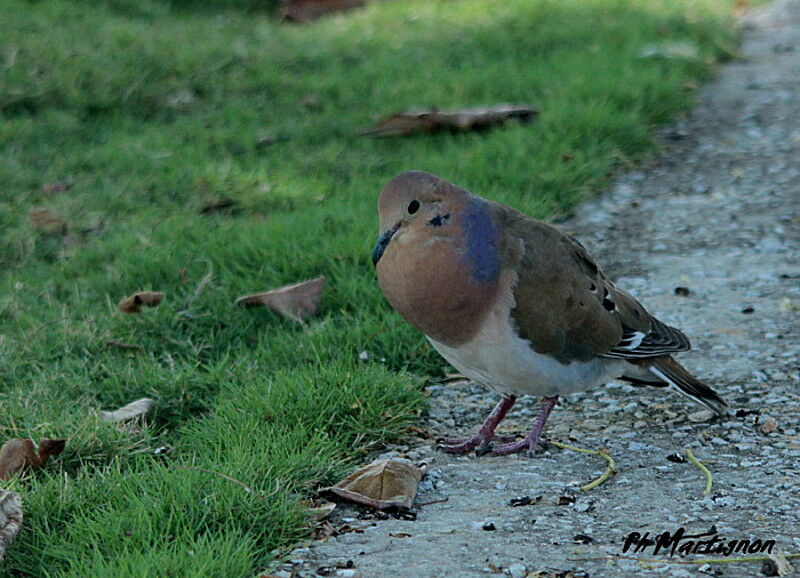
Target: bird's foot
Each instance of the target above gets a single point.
(528, 445)
(534, 438)
(481, 443)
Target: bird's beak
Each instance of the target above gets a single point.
(383, 242)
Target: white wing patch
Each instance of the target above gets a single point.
(631, 341)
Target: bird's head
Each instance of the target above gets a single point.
(415, 205)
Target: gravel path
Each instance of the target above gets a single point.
(718, 214)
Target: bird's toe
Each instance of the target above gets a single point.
(530, 447)
(482, 444)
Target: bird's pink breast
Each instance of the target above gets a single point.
(431, 286)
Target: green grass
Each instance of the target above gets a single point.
(151, 112)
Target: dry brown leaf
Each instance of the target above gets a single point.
(297, 302)
(48, 221)
(134, 303)
(411, 122)
(130, 411)
(17, 454)
(308, 10)
(10, 519)
(383, 484)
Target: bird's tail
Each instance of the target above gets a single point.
(674, 374)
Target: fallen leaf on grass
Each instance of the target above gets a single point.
(48, 221)
(297, 302)
(17, 454)
(383, 484)
(411, 122)
(10, 519)
(133, 304)
(308, 10)
(130, 411)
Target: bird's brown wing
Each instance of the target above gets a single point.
(567, 308)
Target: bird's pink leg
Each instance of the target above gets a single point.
(534, 436)
(485, 434)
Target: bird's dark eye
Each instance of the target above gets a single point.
(413, 207)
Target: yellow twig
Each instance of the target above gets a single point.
(705, 470)
(610, 470)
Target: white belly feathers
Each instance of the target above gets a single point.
(504, 362)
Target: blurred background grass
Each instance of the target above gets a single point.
(150, 111)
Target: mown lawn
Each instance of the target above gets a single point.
(152, 112)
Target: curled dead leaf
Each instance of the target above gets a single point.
(48, 221)
(298, 302)
(18, 454)
(10, 519)
(411, 122)
(134, 303)
(307, 10)
(15, 455)
(382, 484)
(129, 411)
